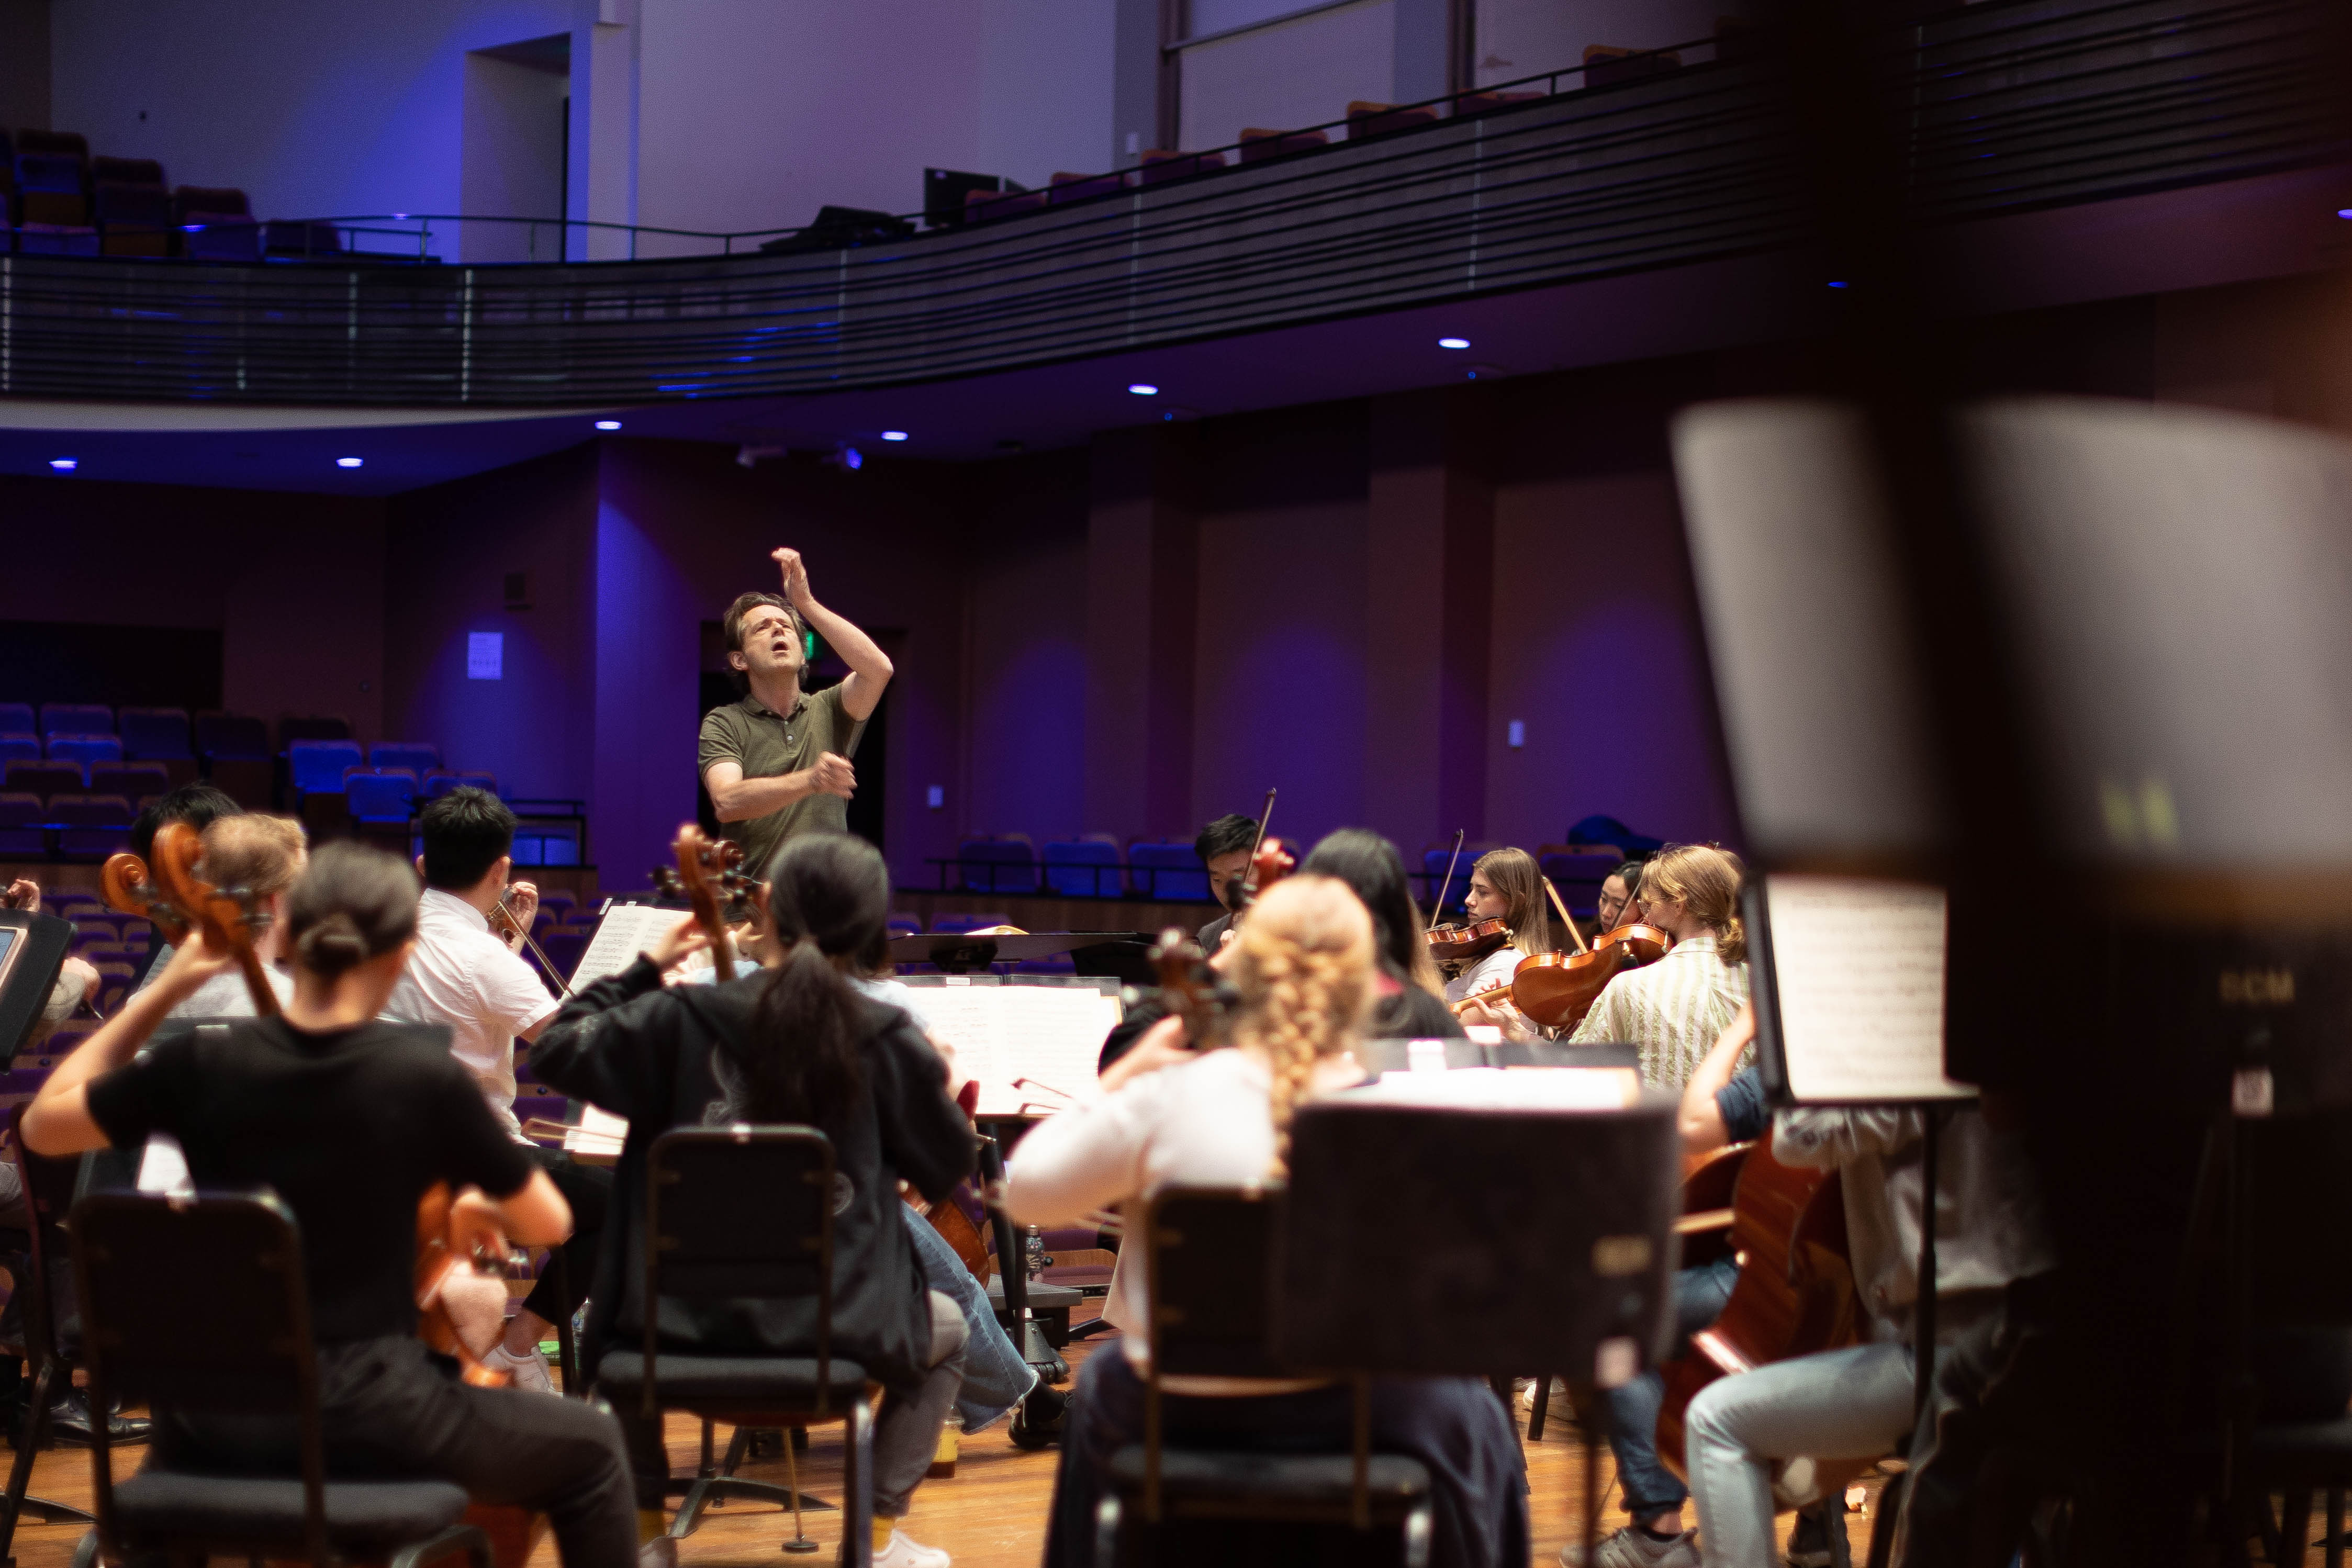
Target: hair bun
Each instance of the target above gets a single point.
(332, 945)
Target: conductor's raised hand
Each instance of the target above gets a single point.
(832, 774)
(685, 937)
(795, 571)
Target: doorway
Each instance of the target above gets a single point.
(518, 134)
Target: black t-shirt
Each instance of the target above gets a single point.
(1742, 1105)
(351, 1130)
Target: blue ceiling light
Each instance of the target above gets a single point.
(851, 458)
(64, 465)
(1839, 283)
(893, 434)
(2344, 212)
(1142, 389)
(349, 462)
(1454, 343)
(608, 425)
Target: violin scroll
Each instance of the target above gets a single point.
(711, 877)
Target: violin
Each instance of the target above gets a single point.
(455, 1280)
(1557, 989)
(227, 917)
(1466, 942)
(506, 924)
(709, 874)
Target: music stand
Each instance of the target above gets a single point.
(1110, 952)
(32, 951)
(1429, 1272)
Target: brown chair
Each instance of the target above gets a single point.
(1605, 65)
(1160, 166)
(1078, 187)
(1366, 118)
(1259, 145)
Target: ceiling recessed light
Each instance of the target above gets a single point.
(1142, 389)
(64, 465)
(893, 434)
(1838, 283)
(349, 462)
(2344, 212)
(1454, 343)
(608, 425)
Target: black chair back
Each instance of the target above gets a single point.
(704, 1241)
(239, 1344)
(1208, 1253)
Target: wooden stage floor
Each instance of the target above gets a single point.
(989, 1514)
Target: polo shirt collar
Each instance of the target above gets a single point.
(451, 904)
(754, 706)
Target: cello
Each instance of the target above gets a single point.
(710, 873)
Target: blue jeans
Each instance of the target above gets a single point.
(1650, 1488)
(994, 1376)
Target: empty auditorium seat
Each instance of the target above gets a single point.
(1434, 859)
(1160, 166)
(231, 735)
(93, 824)
(1167, 869)
(131, 780)
(1578, 874)
(70, 143)
(57, 239)
(12, 747)
(21, 815)
(84, 749)
(1597, 831)
(207, 236)
(105, 170)
(76, 719)
(93, 926)
(16, 719)
(559, 903)
(1005, 863)
(46, 779)
(1604, 65)
(1259, 145)
(1367, 119)
(201, 204)
(1487, 103)
(413, 755)
(133, 220)
(1082, 867)
(317, 766)
(563, 951)
(317, 727)
(301, 239)
(153, 734)
(1078, 187)
(382, 795)
(52, 190)
(981, 204)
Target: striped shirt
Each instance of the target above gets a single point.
(1671, 1009)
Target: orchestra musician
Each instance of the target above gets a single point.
(325, 1106)
(262, 857)
(1224, 846)
(1675, 1008)
(1505, 885)
(794, 1044)
(1223, 1118)
(474, 983)
(776, 761)
(1613, 907)
(197, 804)
(1854, 1401)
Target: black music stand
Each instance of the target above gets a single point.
(32, 951)
(1118, 953)
(1411, 1252)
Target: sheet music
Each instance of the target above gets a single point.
(1032, 1047)
(1859, 969)
(627, 930)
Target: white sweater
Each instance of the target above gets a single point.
(1203, 1124)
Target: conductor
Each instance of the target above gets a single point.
(776, 761)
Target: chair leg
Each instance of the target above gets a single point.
(1107, 1533)
(858, 1489)
(1542, 1404)
(20, 1472)
(800, 1542)
(1882, 1523)
(567, 1346)
(463, 1538)
(2294, 1528)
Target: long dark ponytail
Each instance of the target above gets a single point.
(828, 897)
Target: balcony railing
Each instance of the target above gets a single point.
(1997, 108)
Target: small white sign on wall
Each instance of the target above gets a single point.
(485, 655)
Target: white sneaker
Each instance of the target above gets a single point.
(1632, 1548)
(905, 1551)
(529, 1372)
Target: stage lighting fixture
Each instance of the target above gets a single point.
(1454, 343)
(64, 465)
(608, 425)
(893, 434)
(1143, 389)
(349, 462)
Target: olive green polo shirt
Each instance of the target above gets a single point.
(752, 736)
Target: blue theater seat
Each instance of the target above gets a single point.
(951, 925)
(16, 719)
(17, 745)
(1434, 860)
(1003, 863)
(93, 825)
(316, 767)
(76, 719)
(154, 734)
(1083, 868)
(232, 735)
(382, 794)
(442, 780)
(1167, 869)
(86, 750)
(132, 781)
(21, 815)
(415, 755)
(45, 778)
(1577, 874)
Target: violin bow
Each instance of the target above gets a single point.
(1249, 875)
(536, 951)
(1437, 907)
(1575, 935)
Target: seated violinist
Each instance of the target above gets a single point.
(1304, 971)
(1505, 885)
(1675, 1009)
(324, 1105)
(1615, 905)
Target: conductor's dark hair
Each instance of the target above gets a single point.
(466, 832)
(197, 804)
(1222, 836)
(355, 903)
(828, 899)
(1372, 866)
(731, 627)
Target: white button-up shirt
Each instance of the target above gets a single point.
(462, 976)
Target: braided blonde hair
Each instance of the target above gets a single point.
(1304, 970)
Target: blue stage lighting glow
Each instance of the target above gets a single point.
(349, 462)
(893, 434)
(1454, 343)
(1143, 389)
(64, 465)
(608, 425)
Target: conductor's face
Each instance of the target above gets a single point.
(772, 646)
